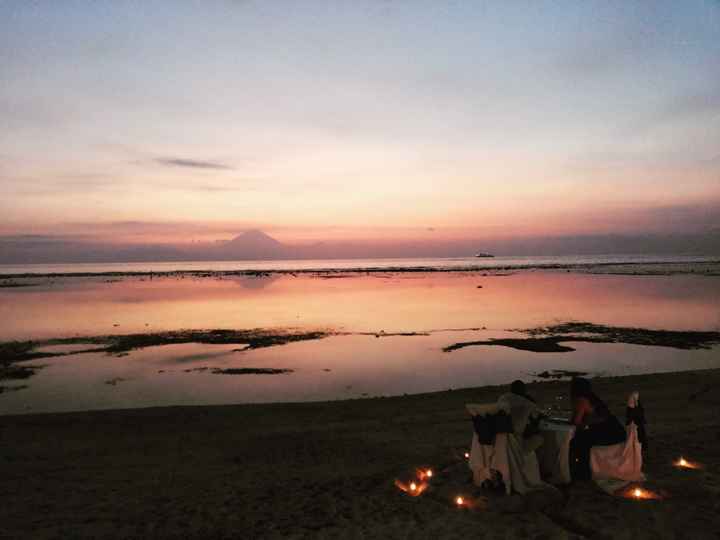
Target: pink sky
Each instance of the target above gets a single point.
(175, 124)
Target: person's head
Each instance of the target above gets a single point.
(580, 387)
(518, 387)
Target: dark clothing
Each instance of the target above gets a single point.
(595, 426)
(609, 431)
(488, 425)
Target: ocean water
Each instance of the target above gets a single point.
(347, 264)
(448, 307)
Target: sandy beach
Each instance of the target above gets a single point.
(327, 470)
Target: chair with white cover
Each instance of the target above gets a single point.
(510, 454)
(617, 465)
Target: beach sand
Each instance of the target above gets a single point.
(327, 470)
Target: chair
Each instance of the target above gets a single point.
(498, 445)
(616, 465)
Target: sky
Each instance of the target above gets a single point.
(388, 121)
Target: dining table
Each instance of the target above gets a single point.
(554, 453)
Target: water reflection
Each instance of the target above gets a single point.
(333, 368)
(393, 302)
(344, 366)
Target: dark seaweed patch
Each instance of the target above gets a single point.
(549, 344)
(18, 351)
(551, 338)
(250, 371)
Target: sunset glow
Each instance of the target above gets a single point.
(133, 125)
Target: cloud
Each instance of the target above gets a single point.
(193, 163)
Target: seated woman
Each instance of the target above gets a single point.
(595, 426)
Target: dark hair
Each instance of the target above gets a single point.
(518, 387)
(580, 387)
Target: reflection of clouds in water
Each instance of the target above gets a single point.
(256, 283)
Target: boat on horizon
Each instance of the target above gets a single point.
(484, 255)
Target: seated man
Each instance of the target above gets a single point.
(510, 458)
(525, 414)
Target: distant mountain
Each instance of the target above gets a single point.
(256, 245)
(253, 244)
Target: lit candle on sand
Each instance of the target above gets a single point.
(639, 493)
(685, 464)
(423, 474)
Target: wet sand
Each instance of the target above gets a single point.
(327, 470)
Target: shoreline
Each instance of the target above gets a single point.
(547, 379)
(651, 268)
(327, 469)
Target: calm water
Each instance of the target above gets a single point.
(342, 366)
(441, 263)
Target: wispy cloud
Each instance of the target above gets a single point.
(192, 163)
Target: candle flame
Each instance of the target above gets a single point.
(413, 489)
(467, 455)
(459, 501)
(639, 493)
(423, 474)
(684, 463)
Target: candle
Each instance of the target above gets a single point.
(685, 464)
(638, 493)
(423, 474)
(467, 456)
(413, 489)
(459, 501)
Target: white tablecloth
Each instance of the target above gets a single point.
(554, 454)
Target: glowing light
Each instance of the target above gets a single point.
(414, 489)
(467, 455)
(459, 501)
(685, 464)
(638, 493)
(429, 473)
